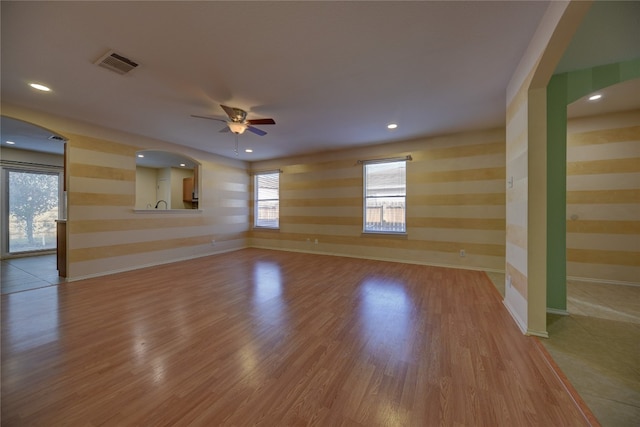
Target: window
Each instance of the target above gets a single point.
(385, 193)
(267, 199)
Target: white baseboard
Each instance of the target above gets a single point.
(431, 264)
(557, 311)
(606, 282)
(122, 270)
(515, 317)
(541, 334)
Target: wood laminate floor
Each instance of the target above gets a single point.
(275, 339)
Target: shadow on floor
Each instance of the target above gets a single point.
(21, 274)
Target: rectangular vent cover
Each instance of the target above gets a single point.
(56, 138)
(117, 63)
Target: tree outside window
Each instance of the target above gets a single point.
(33, 209)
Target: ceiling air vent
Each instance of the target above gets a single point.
(56, 138)
(115, 62)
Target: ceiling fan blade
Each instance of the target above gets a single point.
(235, 114)
(261, 122)
(256, 131)
(229, 110)
(208, 118)
(225, 129)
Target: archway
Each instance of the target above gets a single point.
(32, 182)
(563, 89)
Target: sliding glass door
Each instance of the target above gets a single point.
(33, 207)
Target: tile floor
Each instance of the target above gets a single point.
(597, 346)
(33, 272)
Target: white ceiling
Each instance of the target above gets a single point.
(331, 74)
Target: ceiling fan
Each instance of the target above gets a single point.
(238, 123)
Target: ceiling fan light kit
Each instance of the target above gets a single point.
(237, 128)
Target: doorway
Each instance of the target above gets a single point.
(33, 198)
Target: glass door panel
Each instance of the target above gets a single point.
(33, 210)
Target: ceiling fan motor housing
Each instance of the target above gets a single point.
(238, 115)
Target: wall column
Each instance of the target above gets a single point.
(528, 182)
(556, 166)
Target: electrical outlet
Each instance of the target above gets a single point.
(509, 280)
(308, 240)
(316, 241)
(213, 242)
(463, 253)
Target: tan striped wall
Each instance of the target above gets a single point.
(106, 233)
(517, 205)
(517, 193)
(603, 198)
(455, 201)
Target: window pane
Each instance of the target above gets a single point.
(33, 210)
(268, 214)
(385, 197)
(385, 214)
(386, 179)
(267, 204)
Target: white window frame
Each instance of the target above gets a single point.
(366, 225)
(257, 199)
(9, 166)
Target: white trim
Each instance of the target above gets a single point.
(384, 233)
(265, 172)
(122, 270)
(406, 158)
(7, 167)
(256, 199)
(514, 315)
(538, 44)
(557, 311)
(541, 334)
(605, 282)
(42, 167)
(431, 264)
(153, 264)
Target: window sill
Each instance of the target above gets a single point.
(166, 211)
(384, 234)
(266, 228)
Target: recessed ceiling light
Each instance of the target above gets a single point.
(595, 97)
(39, 87)
(140, 155)
(182, 164)
(392, 126)
(10, 142)
(248, 150)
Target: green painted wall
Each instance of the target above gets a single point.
(563, 89)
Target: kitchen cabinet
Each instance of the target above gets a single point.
(187, 190)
